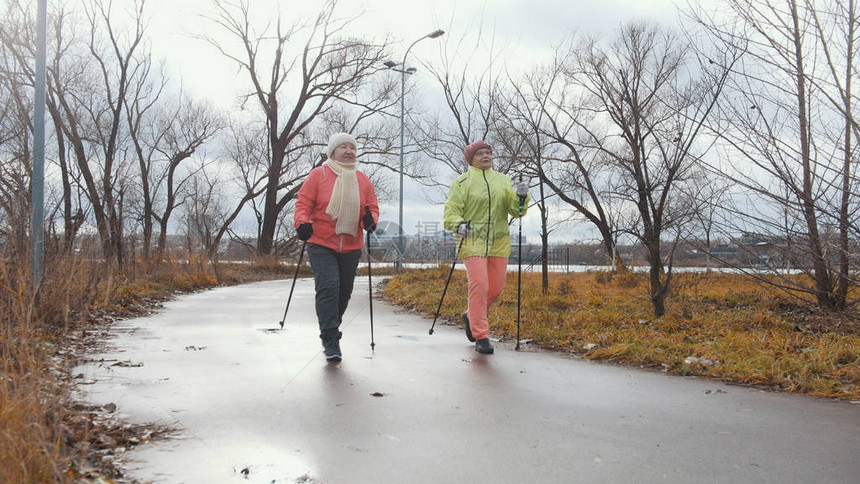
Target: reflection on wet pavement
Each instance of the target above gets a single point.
(255, 403)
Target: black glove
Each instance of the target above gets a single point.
(304, 230)
(367, 220)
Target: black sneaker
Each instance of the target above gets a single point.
(468, 329)
(332, 350)
(484, 346)
(331, 344)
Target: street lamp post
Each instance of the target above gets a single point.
(37, 196)
(403, 71)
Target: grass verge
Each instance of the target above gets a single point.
(720, 326)
(46, 435)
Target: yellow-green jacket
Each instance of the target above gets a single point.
(485, 198)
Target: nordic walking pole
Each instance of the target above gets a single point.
(456, 254)
(295, 276)
(519, 269)
(370, 284)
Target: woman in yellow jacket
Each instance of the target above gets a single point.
(477, 209)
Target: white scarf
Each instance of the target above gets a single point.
(345, 203)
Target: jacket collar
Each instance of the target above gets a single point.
(478, 170)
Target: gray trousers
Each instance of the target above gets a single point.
(334, 275)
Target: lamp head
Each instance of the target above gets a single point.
(436, 33)
(411, 70)
(389, 64)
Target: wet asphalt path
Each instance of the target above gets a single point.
(255, 404)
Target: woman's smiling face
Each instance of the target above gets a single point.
(483, 158)
(344, 153)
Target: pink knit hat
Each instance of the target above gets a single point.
(470, 150)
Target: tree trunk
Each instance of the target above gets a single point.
(844, 212)
(70, 221)
(544, 222)
(823, 283)
(658, 287)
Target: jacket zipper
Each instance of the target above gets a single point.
(489, 212)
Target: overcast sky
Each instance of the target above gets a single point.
(525, 30)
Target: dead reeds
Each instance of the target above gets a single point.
(45, 436)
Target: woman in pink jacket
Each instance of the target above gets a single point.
(335, 203)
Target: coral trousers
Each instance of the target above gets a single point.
(486, 277)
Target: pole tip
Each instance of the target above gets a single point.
(431, 331)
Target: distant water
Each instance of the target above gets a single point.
(601, 268)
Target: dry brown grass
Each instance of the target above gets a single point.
(45, 436)
(737, 329)
(31, 414)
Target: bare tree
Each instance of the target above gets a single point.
(99, 89)
(16, 126)
(205, 212)
(577, 171)
(64, 74)
(836, 25)
(184, 133)
(649, 106)
(15, 166)
(118, 63)
(140, 113)
(330, 70)
(707, 196)
(471, 89)
(89, 81)
(17, 35)
(788, 129)
(164, 138)
(244, 151)
(522, 125)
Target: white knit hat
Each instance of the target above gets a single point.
(336, 140)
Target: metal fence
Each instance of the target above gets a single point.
(441, 250)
